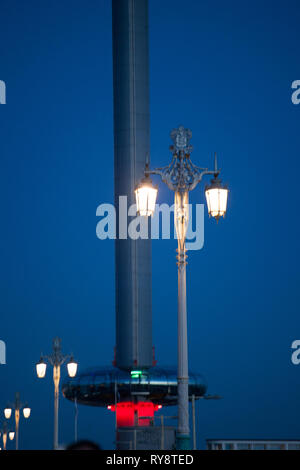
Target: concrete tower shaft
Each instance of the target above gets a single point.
(131, 149)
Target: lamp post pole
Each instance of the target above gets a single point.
(4, 436)
(5, 432)
(75, 420)
(181, 222)
(194, 423)
(181, 176)
(56, 380)
(17, 418)
(56, 359)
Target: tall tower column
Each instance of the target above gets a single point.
(131, 150)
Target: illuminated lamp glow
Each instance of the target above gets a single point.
(216, 197)
(145, 194)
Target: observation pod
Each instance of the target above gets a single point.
(134, 396)
(104, 386)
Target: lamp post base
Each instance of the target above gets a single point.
(183, 442)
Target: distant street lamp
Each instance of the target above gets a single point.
(56, 359)
(7, 413)
(4, 431)
(182, 176)
(17, 406)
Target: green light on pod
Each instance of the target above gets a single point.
(135, 374)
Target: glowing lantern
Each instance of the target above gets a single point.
(216, 197)
(41, 369)
(72, 367)
(145, 194)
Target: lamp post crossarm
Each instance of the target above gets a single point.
(186, 177)
(17, 405)
(199, 176)
(181, 174)
(57, 359)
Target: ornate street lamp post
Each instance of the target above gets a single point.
(56, 359)
(182, 176)
(17, 406)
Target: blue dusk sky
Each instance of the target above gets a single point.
(223, 69)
